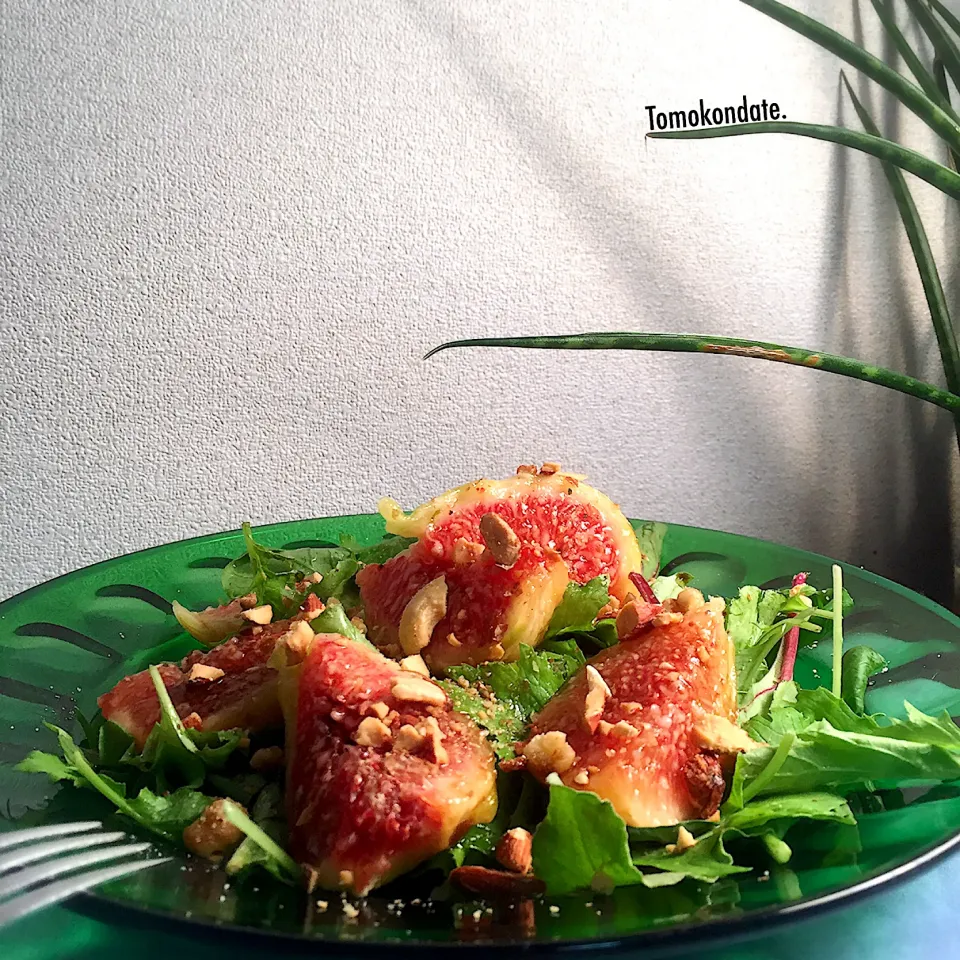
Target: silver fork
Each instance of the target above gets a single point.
(34, 872)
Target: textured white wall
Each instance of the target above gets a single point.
(229, 230)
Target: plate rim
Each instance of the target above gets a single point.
(734, 927)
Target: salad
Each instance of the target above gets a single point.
(502, 697)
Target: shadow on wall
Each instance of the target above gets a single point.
(920, 461)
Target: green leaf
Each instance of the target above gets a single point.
(668, 588)
(943, 178)
(272, 855)
(267, 814)
(943, 43)
(706, 861)
(922, 254)
(859, 664)
(380, 552)
(273, 574)
(731, 346)
(335, 620)
(822, 757)
(579, 607)
(166, 815)
(906, 92)
(923, 76)
(582, 844)
(520, 689)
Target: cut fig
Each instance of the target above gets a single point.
(382, 773)
(244, 693)
(626, 725)
(507, 550)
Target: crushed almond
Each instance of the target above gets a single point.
(501, 541)
(452, 640)
(624, 729)
(466, 551)
(379, 709)
(689, 599)
(515, 850)
(432, 735)
(408, 738)
(582, 778)
(631, 706)
(346, 878)
(372, 732)
(359, 624)
(416, 689)
(312, 607)
(262, 615)
(267, 758)
(685, 839)
(201, 673)
(527, 468)
(549, 753)
(549, 469)
(628, 619)
(212, 834)
(666, 618)
(426, 608)
(596, 697)
(415, 664)
(247, 601)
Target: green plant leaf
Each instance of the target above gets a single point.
(924, 77)
(725, 346)
(926, 265)
(940, 76)
(859, 664)
(650, 536)
(943, 178)
(943, 43)
(580, 604)
(908, 93)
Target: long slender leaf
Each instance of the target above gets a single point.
(924, 77)
(943, 178)
(908, 93)
(940, 76)
(926, 265)
(942, 42)
(729, 346)
(952, 20)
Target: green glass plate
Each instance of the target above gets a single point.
(64, 642)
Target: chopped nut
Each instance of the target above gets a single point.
(452, 640)
(409, 686)
(193, 721)
(487, 882)
(494, 652)
(500, 539)
(466, 551)
(685, 839)
(346, 878)
(211, 835)
(372, 732)
(549, 469)
(717, 733)
(715, 605)
(201, 673)
(359, 624)
(596, 697)
(262, 615)
(424, 611)
(583, 778)
(624, 730)
(292, 648)
(527, 468)
(379, 709)
(629, 619)
(247, 601)
(609, 609)
(314, 577)
(312, 607)
(415, 664)
(349, 910)
(408, 738)
(549, 753)
(267, 758)
(515, 850)
(435, 751)
(631, 706)
(665, 619)
(689, 599)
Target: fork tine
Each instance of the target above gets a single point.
(54, 892)
(23, 855)
(21, 879)
(38, 833)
